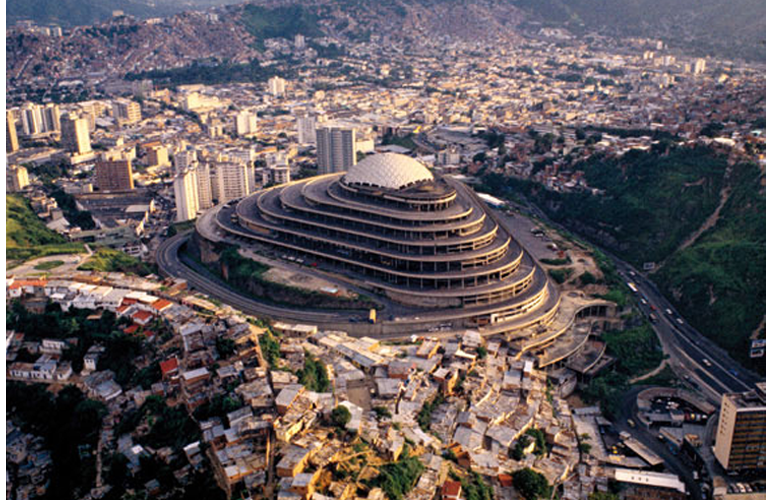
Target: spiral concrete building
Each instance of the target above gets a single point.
(392, 226)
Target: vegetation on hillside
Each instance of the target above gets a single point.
(636, 351)
(651, 203)
(27, 237)
(69, 423)
(398, 478)
(279, 22)
(718, 283)
(108, 260)
(247, 275)
(208, 72)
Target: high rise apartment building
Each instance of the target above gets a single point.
(114, 175)
(186, 195)
(306, 126)
(245, 123)
(11, 138)
(336, 149)
(230, 181)
(741, 433)
(205, 196)
(74, 134)
(276, 86)
(126, 111)
(39, 120)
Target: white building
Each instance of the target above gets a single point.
(186, 195)
(336, 149)
(205, 196)
(700, 66)
(230, 181)
(16, 178)
(185, 159)
(306, 129)
(276, 86)
(245, 123)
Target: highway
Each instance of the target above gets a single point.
(693, 357)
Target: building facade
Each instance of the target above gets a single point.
(186, 195)
(336, 149)
(741, 434)
(11, 137)
(114, 175)
(74, 134)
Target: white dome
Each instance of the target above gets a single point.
(389, 171)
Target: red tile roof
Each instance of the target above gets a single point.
(141, 316)
(169, 366)
(131, 329)
(506, 480)
(161, 304)
(451, 489)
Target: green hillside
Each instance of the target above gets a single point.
(719, 283)
(26, 236)
(652, 202)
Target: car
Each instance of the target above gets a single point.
(644, 302)
(679, 320)
(706, 362)
(669, 312)
(631, 423)
(733, 372)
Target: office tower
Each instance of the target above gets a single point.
(114, 175)
(276, 86)
(336, 149)
(126, 111)
(299, 42)
(74, 134)
(230, 181)
(16, 178)
(700, 66)
(306, 129)
(11, 139)
(245, 123)
(186, 195)
(205, 197)
(740, 443)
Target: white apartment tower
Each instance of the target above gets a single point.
(276, 86)
(230, 181)
(186, 195)
(700, 66)
(205, 196)
(306, 129)
(245, 123)
(336, 149)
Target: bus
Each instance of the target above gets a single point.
(632, 287)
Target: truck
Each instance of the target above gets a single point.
(372, 316)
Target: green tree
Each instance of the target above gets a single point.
(341, 416)
(530, 484)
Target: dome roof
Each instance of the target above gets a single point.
(389, 171)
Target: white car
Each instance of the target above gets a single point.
(669, 312)
(679, 320)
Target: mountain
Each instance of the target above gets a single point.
(725, 28)
(68, 13)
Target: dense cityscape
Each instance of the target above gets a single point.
(255, 252)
